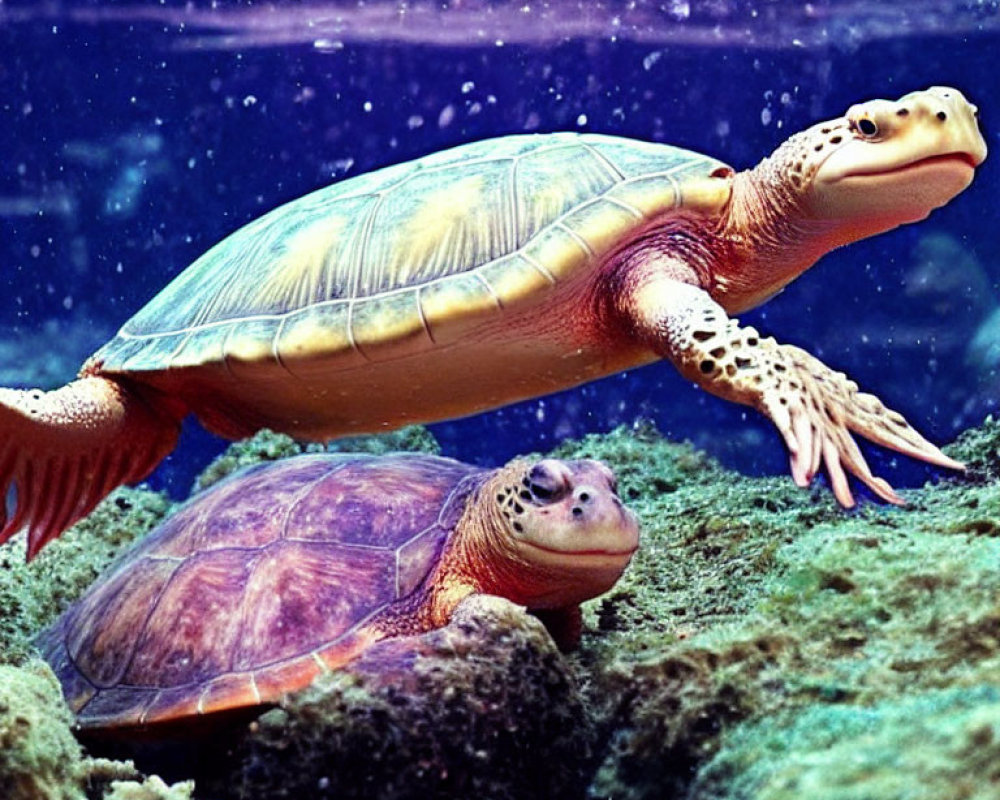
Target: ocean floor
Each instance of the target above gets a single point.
(764, 643)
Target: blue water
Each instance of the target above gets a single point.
(135, 136)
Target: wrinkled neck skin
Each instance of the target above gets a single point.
(767, 239)
(481, 557)
(761, 241)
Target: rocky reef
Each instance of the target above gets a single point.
(763, 644)
(484, 707)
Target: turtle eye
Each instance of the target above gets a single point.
(541, 491)
(544, 483)
(866, 127)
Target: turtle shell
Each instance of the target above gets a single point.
(254, 587)
(395, 263)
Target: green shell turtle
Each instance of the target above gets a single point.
(296, 567)
(494, 272)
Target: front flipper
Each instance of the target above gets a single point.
(814, 408)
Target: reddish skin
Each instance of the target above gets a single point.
(282, 572)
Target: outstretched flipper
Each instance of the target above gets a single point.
(814, 407)
(63, 451)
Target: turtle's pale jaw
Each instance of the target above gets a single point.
(566, 578)
(904, 194)
(588, 558)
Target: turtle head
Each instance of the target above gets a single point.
(565, 528)
(880, 165)
(884, 162)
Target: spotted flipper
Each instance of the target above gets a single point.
(813, 407)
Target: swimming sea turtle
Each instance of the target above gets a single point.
(493, 272)
(291, 568)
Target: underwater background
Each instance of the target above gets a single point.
(764, 644)
(136, 135)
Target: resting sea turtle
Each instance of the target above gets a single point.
(493, 272)
(291, 568)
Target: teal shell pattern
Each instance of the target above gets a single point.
(407, 249)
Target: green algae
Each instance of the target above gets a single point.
(39, 758)
(979, 449)
(927, 746)
(778, 602)
(151, 788)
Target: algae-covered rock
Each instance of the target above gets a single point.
(930, 746)
(151, 788)
(979, 449)
(485, 707)
(39, 758)
(120, 780)
(768, 601)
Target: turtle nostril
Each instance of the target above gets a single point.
(577, 511)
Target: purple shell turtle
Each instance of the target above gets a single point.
(289, 569)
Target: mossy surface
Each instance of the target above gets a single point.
(762, 639)
(752, 599)
(925, 746)
(266, 445)
(485, 707)
(39, 758)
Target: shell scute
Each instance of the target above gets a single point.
(545, 193)
(308, 335)
(248, 344)
(559, 250)
(247, 510)
(602, 223)
(388, 326)
(451, 307)
(376, 503)
(634, 159)
(286, 676)
(647, 196)
(130, 595)
(436, 228)
(197, 346)
(126, 705)
(514, 278)
(194, 628)
(302, 593)
(228, 691)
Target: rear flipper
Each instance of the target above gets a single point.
(63, 451)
